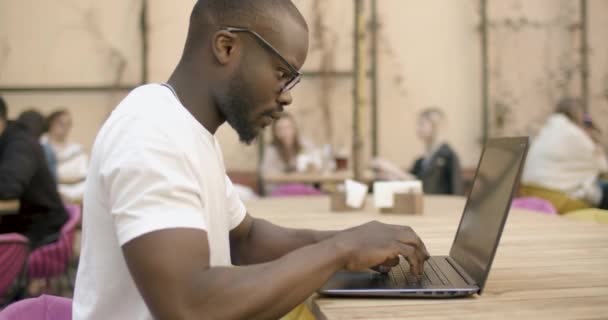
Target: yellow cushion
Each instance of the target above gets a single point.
(594, 215)
(301, 312)
(561, 201)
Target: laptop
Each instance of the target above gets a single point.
(465, 270)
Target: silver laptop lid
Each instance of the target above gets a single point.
(487, 206)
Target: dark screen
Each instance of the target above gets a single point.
(487, 206)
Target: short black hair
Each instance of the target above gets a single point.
(33, 122)
(3, 109)
(210, 14)
(244, 13)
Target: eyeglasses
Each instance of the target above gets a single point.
(295, 75)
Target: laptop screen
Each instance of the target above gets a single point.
(487, 206)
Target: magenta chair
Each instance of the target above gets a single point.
(13, 255)
(534, 204)
(52, 260)
(295, 189)
(44, 307)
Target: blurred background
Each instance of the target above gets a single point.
(382, 78)
(493, 67)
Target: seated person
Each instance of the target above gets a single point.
(25, 176)
(565, 158)
(438, 168)
(165, 236)
(72, 160)
(35, 123)
(281, 156)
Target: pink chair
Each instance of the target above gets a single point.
(295, 189)
(13, 255)
(534, 204)
(44, 307)
(52, 260)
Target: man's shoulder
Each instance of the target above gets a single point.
(145, 98)
(148, 107)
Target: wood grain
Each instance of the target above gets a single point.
(546, 267)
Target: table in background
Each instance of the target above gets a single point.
(546, 267)
(314, 177)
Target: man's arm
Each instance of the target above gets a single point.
(257, 240)
(17, 167)
(172, 272)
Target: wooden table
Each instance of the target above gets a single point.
(547, 267)
(313, 177)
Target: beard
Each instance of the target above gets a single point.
(236, 108)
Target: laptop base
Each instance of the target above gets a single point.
(440, 280)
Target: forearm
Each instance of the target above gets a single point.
(267, 242)
(265, 291)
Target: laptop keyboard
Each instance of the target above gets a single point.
(404, 278)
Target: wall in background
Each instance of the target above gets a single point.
(429, 55)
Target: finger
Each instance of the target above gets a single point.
(387, 265)
(408, 236)
(382, 268)
(423, 254)
(424, 250)
(420, 249)
(410, 254)
(411, 240)
(391, 262)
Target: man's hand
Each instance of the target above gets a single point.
(378, 245)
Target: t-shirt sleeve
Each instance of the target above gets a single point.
(150, 186)
(236, 208)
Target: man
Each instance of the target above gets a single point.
(24, 175)
(163, 225)
(438, 169)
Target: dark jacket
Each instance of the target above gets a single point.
(441, 173)
(24, 175)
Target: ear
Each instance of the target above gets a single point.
(223, 46)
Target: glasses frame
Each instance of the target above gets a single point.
(296, 75)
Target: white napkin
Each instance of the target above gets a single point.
(355, 193)
(384, 191)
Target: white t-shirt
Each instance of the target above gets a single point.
(564, 158)
(153, 167)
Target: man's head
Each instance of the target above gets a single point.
(430, 122)
(33, 122)
(59, 124)
(252, 51)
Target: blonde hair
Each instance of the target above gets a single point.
(437, 119)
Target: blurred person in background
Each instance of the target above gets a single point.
(565, 159)
(439, 167)
(286, 149)
(72, 160)
(35, 123)
(24, 176)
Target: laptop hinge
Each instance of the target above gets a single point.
(461, 271)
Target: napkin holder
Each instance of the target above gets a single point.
(406, 203)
